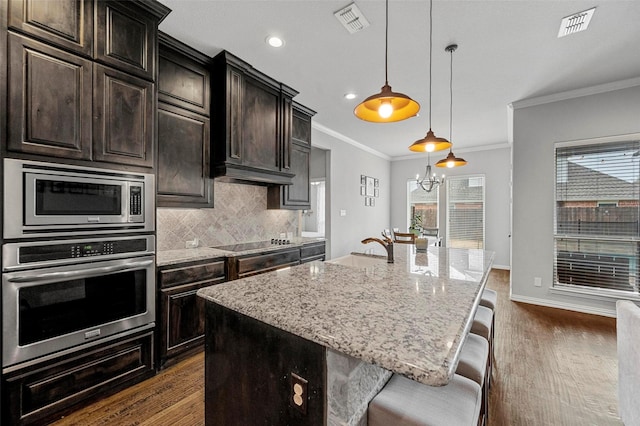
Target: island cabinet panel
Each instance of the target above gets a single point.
(123, 118)
(251, 369)
(181, 311)
(311, 252)
(49, 100)
(184, 176)
(245, 266)
(251, 125)
(64, 23)
(296, 196)
(48, 390)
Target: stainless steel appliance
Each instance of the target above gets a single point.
(49, 199)
(70, 294)
(253, 245)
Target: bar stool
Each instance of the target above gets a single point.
(489, 298)
(472, 364)
(406, 402)
(483, 326)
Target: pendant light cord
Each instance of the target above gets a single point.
(430, 53)
(451, 97)
(386, 43)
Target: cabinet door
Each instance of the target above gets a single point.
(183, 82)
(123, 118)
(182, 319)
(126, 38)
(49, 102)
(297, 194)
(183, 159)
(260, 132)
(64, 23)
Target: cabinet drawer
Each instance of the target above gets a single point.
(44, 391)
(192, 273)
(252, 265)
(312, 250)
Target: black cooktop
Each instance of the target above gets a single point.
(252, 246)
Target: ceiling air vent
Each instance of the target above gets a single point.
(576, 22)
(351, 18)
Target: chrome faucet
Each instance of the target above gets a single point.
(387, 244)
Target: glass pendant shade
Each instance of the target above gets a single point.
(430, 143)
(451, 161)
(402, 107)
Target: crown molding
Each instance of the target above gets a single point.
(577, 93)
(327, 131)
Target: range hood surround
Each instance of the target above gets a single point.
(252, 139)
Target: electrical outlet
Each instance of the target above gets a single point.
(343, 212)
(299, 393)
(537, 282)
(192, 244)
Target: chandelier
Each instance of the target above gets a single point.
(429, 181)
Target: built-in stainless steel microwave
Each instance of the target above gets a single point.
(49, 199)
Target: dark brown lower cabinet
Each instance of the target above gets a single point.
(253, 264)
(312, 251)
(46, 391)
(181, 311)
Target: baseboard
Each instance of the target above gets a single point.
(503, 267)
(563, 305)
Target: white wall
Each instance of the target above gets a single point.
(347, 163)
(494, 164)
(536, 127)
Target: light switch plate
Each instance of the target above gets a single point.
(343, 212)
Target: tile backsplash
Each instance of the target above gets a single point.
(240, 215)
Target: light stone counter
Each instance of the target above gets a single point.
(410, 317)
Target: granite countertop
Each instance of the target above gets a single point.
(172, 257)
(410, 317)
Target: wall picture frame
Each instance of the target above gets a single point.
(376, 192)
(362, 190)
(369, 186)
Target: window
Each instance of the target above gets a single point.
(423, 204)
(596, 215)
(465, 212)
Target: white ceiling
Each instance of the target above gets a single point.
(508, 51)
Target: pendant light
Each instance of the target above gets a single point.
(386, 106)
(451, 160)
(430, 143)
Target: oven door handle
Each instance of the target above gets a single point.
(83, 273)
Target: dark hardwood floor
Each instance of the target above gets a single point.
(552, 367)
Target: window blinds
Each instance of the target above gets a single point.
(596, 215)
(465, 212)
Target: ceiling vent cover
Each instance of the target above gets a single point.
(351, 18)
(576, 22)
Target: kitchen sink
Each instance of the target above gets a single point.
(359, 260)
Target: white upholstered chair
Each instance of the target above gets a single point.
(628, 336)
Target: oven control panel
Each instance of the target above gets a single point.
(29, 254)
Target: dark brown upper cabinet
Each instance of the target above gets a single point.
(126, 35)
(81, 79)
(65, 23)
(297, 195)
(49, 100)
(123, 118)
(183, 174)
(250, 124)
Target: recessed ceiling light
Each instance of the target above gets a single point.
(350, 96)
(275, 41)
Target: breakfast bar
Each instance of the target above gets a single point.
(314, 343)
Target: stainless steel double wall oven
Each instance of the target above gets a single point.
(78, 259)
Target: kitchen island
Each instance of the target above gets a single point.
(312, 344)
